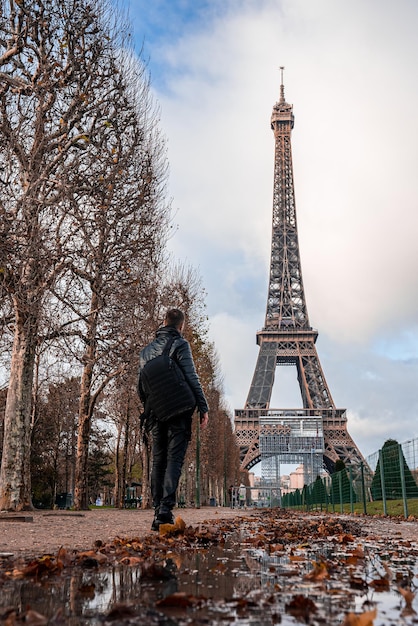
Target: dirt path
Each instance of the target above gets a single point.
(41, 532)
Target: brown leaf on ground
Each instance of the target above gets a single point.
(131, 560)
(319, 571)
(276, 547)
(358, 583)
(92, 554)
(46, 564)
(301, 606)
(358, 552)
(173, 529)
(380, 584)
(121, 611)
(203, 535)
(64, 557)
(408, 596)
(136, 545)
(360, 619)
(176, 559)
(219, 568)
(156, 571)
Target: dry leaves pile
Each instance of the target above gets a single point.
(309, 569)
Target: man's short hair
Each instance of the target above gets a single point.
(174, 317)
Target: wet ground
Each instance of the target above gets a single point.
(270, 568)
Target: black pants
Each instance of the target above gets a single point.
(169, 445)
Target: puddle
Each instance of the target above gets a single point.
(236, 583)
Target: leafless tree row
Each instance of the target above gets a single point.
(84, 222)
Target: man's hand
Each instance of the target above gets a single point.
(204, 420)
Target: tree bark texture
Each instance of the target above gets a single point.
(15, 492)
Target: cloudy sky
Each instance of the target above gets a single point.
(351, 75)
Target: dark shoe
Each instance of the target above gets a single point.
(165, 518)
(162, 518)
(155, 523)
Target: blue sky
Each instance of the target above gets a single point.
(351, 75)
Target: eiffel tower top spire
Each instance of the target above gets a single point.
(282, 111)
(282, 100)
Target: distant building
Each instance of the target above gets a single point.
(297, 478)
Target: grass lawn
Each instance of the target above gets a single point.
(395, 508)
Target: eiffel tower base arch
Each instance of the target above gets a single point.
(294, 435)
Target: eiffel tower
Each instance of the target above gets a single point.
(288, 339)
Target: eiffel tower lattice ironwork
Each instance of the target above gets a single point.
(288, 338)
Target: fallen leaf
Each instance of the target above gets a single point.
(408, 596)
(301, 606)
(173, 529)
(156, 571)
(177, 559)
(131, 560)
(358, 583)
(64, 557)
(360, 619)
(46, 564)
(92, 554)
(358, 552)
(276, 547)
(319, 571)
(120, 611)
(380, 584)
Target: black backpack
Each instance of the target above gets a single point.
(168, 393)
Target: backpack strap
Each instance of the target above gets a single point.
(168, 345)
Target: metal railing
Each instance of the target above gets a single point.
(386, 483)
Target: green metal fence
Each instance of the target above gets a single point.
(385, 483)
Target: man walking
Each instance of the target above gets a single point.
(170, 434)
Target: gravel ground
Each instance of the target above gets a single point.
(35, 533)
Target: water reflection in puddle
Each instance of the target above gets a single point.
(232, 584)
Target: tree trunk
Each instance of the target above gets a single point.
(81, 496)
(125, 458)
(146, 471)
(15, 480)
(117, 483)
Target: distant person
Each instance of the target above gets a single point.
(242, 493)
(167, 416)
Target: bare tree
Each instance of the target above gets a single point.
(53, 441)
(122, 233)
(218, 458)
(62, 160)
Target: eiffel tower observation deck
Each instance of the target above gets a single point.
(315, 434)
